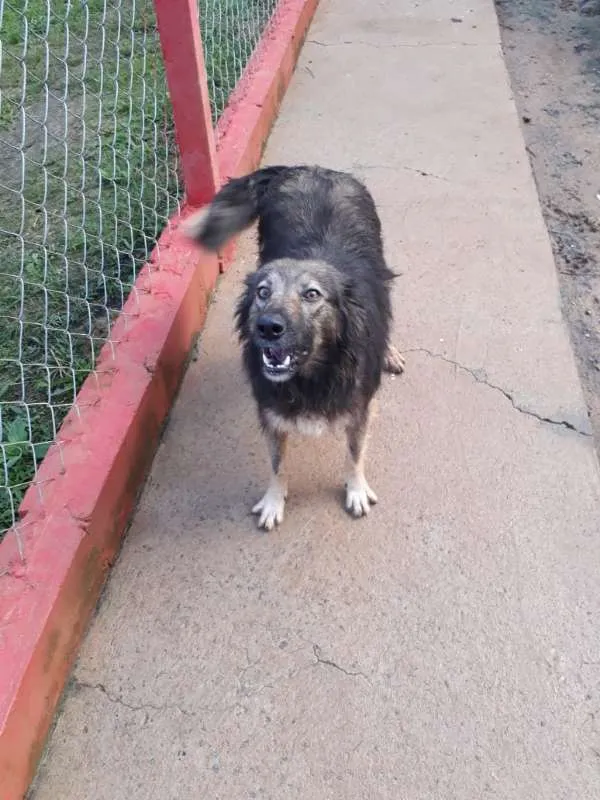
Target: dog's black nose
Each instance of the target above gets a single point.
(270, 326)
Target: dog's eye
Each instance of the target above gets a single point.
(263, 292)
(311, 295)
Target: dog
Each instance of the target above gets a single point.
(314, 318)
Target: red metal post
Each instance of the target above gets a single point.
(179, 31)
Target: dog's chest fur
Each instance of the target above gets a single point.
(304, 424)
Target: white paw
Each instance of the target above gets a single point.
(271, 507)
(359, 496)
(394, 360)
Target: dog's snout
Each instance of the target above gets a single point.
(270, 326)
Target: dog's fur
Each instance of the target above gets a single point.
(314, 318)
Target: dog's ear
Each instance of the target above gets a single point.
(244, 304)
(353, 316)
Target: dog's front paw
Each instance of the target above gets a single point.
(271, 507)
(394, 360)
(359, 496)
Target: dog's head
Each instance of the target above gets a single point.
(292, 313)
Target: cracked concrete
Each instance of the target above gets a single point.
(358, 166)
(447, 645)
(77, 686)
(329, 663)
(480, 377)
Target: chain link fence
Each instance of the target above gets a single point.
(231, 30)
(88, 179)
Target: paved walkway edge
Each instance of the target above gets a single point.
(54, 563)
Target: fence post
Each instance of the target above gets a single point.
(179, 30)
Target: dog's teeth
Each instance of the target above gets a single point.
(273, 364)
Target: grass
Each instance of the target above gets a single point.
(88, 179)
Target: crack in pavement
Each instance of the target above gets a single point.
(358, 166)
(113, 698)
(329, 663)
(479, 379)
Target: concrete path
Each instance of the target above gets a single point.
(449, 645)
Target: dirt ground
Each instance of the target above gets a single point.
(552, 52)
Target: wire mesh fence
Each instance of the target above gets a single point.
(88, 179)
(230, 30)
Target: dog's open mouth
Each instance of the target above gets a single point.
(278, 362)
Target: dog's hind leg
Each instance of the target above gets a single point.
(394, 360)
(272, 505)
(359, 494)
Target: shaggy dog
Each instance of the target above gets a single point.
(314, 318)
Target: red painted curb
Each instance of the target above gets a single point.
(183, 58)
(53, 566)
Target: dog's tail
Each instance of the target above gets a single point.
(235, 207)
